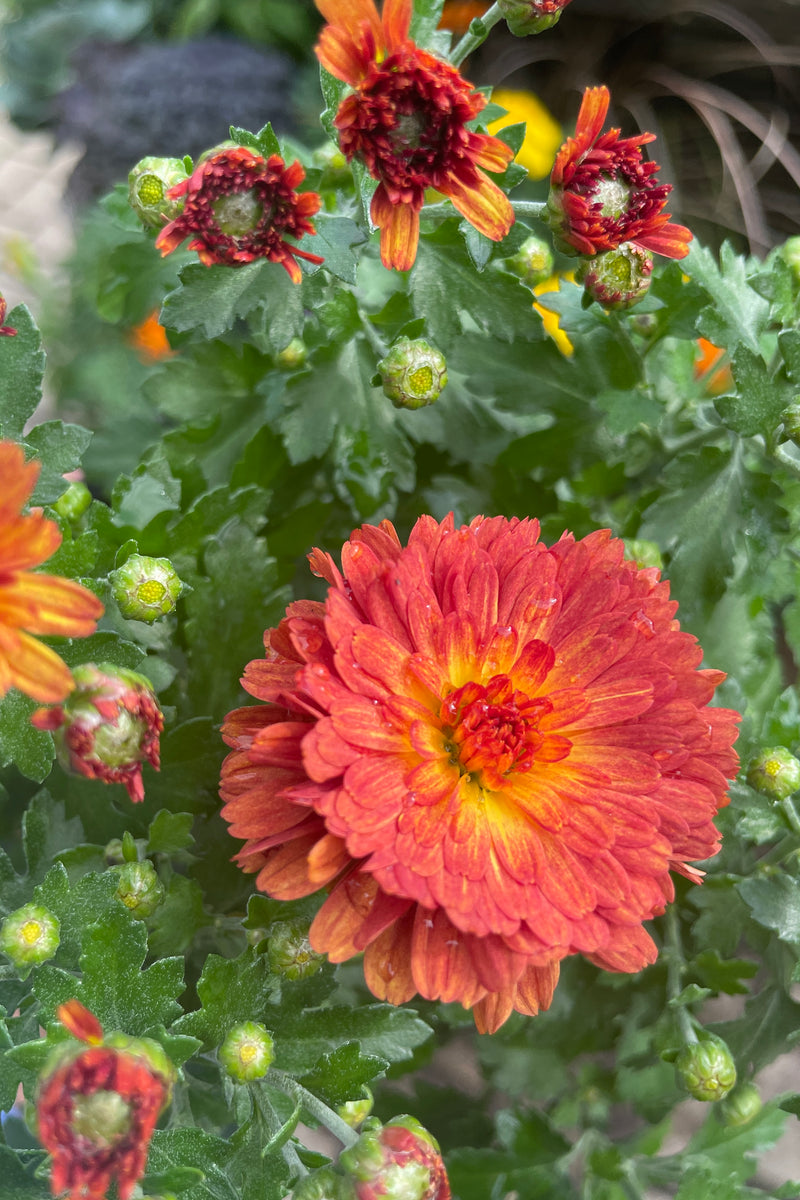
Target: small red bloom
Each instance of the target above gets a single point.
(5, 330)
(492, 752)
(97, 1108)
(602, 194)
(406, 121)
(239, 207)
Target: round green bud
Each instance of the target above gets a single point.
(791, 423)
(139, 888)
(73, 503)
(774, 773)
(741, 1105)
(293, 355)
(413, 373)
(30, 935)
(790, 253)
(619, 278)
(329, 158)
(707, 1069)
(145, 589)
(355, 1112)
(532, 263)
(323, 1184)
(148, 184)
(525, 17)
(289, 950)
(643, 553)
(247, 1051)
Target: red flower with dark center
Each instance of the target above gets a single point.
(239, 207)
(602, 194)
(491, 752)
(97, 1108)
(406, 121)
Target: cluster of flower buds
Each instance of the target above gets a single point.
(531, 16)
(413, 373)
(396, 1161)
(145, 588)
(107, 727)
(98, 1104)
(774, 773)
(706, 1068)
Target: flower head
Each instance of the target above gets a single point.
(5, 330)
(30, 602)
(406, 119)
(107, 727)
(492, 752)
(238, 207)
(602, 194)
(97, 1107)
(617, 279)
(396, 1161)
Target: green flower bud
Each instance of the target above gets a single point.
(73, 503)
(791, 421)
(643, 553)
(139, 888)
(148, 184)
(396, 1161)
(290, 952)
(774, 773)
(145, 588)
(413, 373)
(617, 279)
(741, 1105)
(293, 355)
(790, 253)
(355, 1112)
(247, 1051)
(533, 262)
(525, 17)
(30, 935)
(323, 1184)
(707, 1069)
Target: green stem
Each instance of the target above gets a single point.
(373, 337)
(790, 812)
(326, 1116)
(781, 850)
(476, 34)
(522, 208)
(676, 966)
(780, 456)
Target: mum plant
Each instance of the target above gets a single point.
(422, 867)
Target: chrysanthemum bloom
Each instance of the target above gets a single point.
(33, 603)
(491, 752)
(603, 194)
(406, 120)
(97, 1107)
(108, 726)
(239, 207)
(396, 1161)
(5, 330)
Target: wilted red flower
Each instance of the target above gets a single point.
(97, 1108)
(603, 194)
(30, 602)
(492, 752)
(238, 207)
(406, 120)
(5, 330)
(107, 727)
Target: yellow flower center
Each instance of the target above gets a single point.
(772, 767)
(420, 381)
(151, 592)
(31, 932)
(150, 190)
(247, 1052)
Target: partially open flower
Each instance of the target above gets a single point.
(238, 207)
(139, 887)
(107, 727)
(531, 16)
(289, 950)
(396, 1161)
(98, 1105)
(603, 194)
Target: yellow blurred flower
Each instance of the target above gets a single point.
(543, 135)
(550, 318)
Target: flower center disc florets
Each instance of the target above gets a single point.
(492, 731)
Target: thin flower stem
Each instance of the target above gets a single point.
(476, 34)
(790, 812)
(326, 1116)
(783, 849)
(522, 208)
(676, 966)
(780, 455)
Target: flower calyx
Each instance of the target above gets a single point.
(413, 373)
(146, 589)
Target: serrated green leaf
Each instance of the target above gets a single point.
(334, 240)
(176, 1149)
(759, 400)
(31, 750)
(211, 299)
(178, 918)
(230, 990)
(19, 1183)
(21, 372)
(170, 832)
(383, 1031)
(59, 448)
(774, 901)
(45, 831)
(738, 314)
(734, 1150)
(425, 20)
(340, 1076)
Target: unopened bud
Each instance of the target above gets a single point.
(741, 1105)
(330, 159)
(73, 503)
(107, 727)
(398, 1161)
(643, 553)
(790, 253)
(145, 588)
(791, 422)
(413, 373)
(532, 263)
(531, 16)
(774, 773)
(323, 1184)
(30, 935)
(617, 279)
(289, 950)
(707, 1069)
(139, 888)
(293, 355)
(148, 184)
(247, 1051)
(355, 1112)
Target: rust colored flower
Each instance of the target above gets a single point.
(32, 603)
(5, 330)
(97, 1107)
(602, 193)
(712, 366)
(149, 340)
(491, 752)
(406, 121)
(239, 207)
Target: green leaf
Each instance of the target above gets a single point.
(304, 1036)
(264, 142)
(759, 400)
(31, 750)
(59, 448)
(19, 1183)
(738, 314)
(178, 918)
(774, 901)
(334, 240)
(770, 1020)
(151, 490)
(734, 1151)
(211, 299)
(21, 371)
(340, 1076)
(170, 832)
(172, 1151)
(626, 410)
(230, 990)
(425, 20)
(724, 975)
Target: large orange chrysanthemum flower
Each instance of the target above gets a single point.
(32, 603)
(602, 193)
(492, 753)
(406, 120)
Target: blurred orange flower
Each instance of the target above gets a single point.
(149, 339)
(709, 365)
